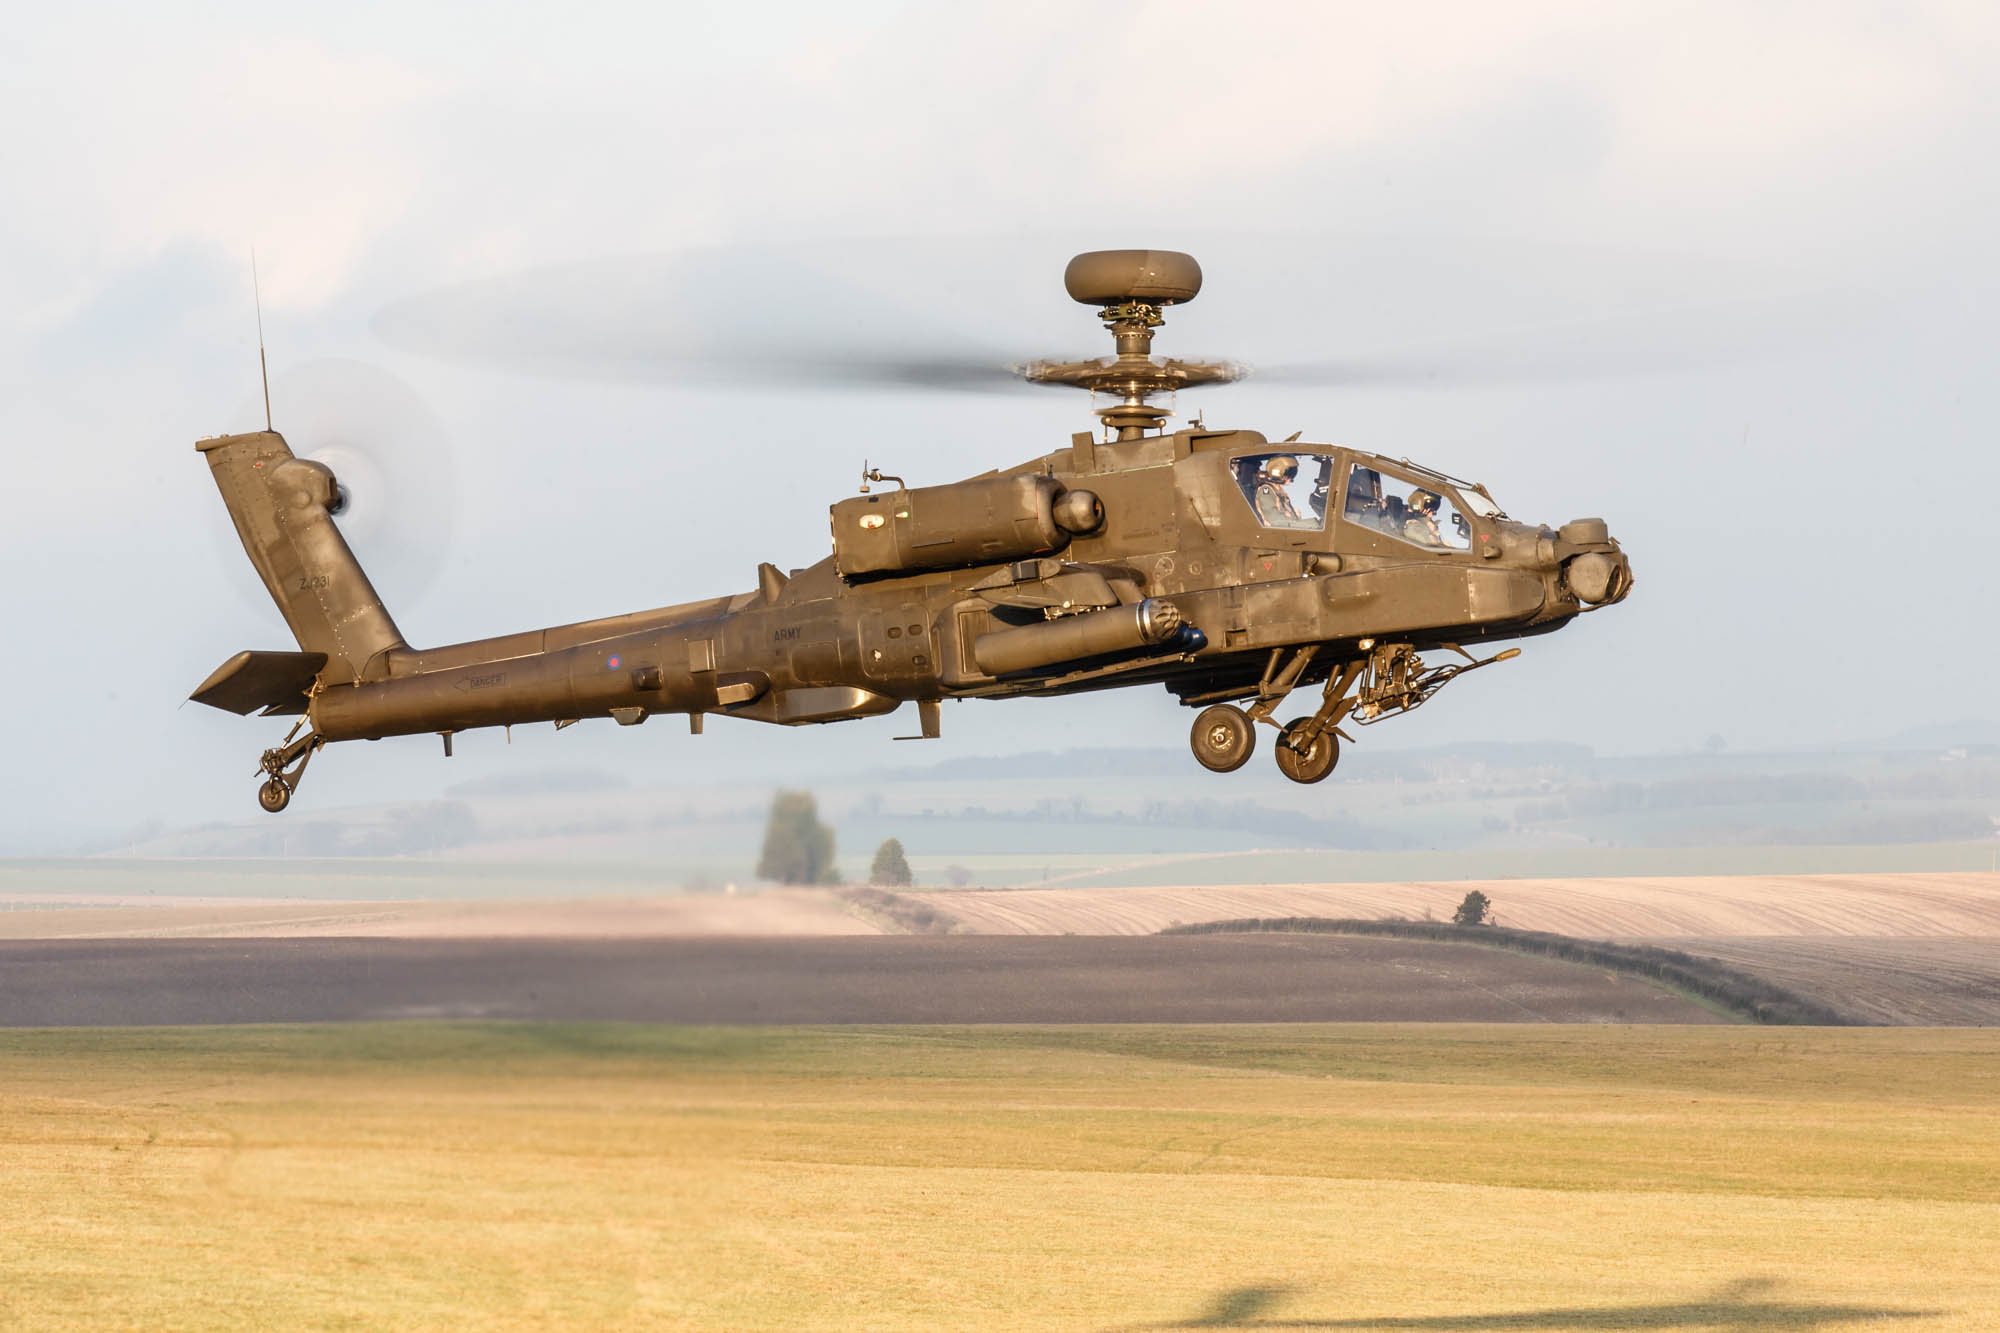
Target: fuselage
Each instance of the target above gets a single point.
(1203, 528)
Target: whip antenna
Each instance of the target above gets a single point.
(263, 370)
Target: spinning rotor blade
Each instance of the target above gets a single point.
(1402, 313)
(971, 315)
(836, 316)
(391, 457)
(1657, 343)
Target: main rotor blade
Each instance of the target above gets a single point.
(1675, 341)
(958, 315)
(848, 316)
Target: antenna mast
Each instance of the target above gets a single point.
(263, 370)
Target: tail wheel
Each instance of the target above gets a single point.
(274, 795)
(1223, 738)
(1311, 763)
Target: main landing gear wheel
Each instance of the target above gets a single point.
(1309, 765)
(274, 795)
(1223, 738)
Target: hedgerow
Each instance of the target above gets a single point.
(1709, 979)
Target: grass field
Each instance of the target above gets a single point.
(1380, 1177)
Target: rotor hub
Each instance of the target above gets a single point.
(1132, 289)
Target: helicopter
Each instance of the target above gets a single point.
(1233, 570)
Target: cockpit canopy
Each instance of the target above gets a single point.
(1286, 490)
(1291, 490)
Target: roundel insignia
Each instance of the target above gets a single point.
(610, 664)
(871, 520)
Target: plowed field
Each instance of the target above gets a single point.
(777, 912)
(1725, 905)
(893, 979)
(1923, 982)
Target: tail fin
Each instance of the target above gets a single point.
(282, 507)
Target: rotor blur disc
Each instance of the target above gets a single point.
(389, 453)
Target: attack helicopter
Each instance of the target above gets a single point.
(1233, 570)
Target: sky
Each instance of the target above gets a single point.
(1719, 273)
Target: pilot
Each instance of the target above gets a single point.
(1420, 522)
(1274, 505)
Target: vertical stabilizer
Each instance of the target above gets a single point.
(283, 511)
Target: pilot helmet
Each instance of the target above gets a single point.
(1424, 502)
(1282, 467)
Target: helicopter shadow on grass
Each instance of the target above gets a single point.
(1741, 1304)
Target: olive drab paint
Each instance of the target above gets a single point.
(1232, 571)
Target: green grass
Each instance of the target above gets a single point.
(1423, 1177)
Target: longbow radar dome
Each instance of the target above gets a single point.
(1151, 277)
(1130, 287)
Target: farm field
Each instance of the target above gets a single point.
(767, 980)
(112, 899)
(1926, 981)
(941, 850)
(1872, 905)
(1278, 866)
(129, 916)
(1443, 1177)
(305, 878)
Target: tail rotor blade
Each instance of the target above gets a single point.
(389, 453)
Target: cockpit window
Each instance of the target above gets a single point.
(1285, 490)
(1423, 515)
(1481, 505)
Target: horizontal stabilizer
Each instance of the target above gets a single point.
(274, 682)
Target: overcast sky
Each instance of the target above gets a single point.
(1719, 273)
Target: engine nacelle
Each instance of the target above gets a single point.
(978, 522)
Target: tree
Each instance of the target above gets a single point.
(891, 866)
(798, 849)
(1476, 910)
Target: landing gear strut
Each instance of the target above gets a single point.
(1390, 680)
(284, 768)
(1309, 747)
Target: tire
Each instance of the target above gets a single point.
(1223, 738)
(1314, 764)
(274, 796)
